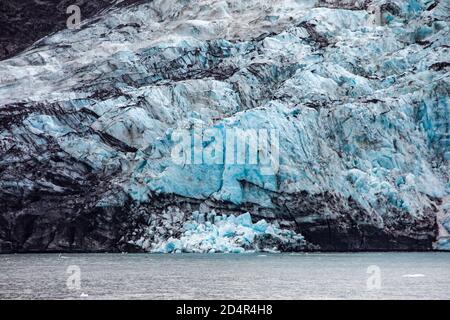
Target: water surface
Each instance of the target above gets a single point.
(226, 276)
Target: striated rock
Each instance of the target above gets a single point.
(357, 116)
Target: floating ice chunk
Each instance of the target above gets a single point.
(415, 275)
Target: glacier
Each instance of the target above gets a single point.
(89, 117)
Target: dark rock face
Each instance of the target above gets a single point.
(48, 198)
(341, 224)
(64, 224)
(85, 118)
(24, 22)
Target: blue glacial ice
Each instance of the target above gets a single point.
(212, 233)
(361, 110)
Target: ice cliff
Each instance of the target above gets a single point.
(356, 92)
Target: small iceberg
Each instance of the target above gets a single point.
(416, 275)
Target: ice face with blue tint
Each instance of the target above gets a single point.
(224, 234)
(361, 111)
(443, 244)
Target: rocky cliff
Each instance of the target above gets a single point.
(348, 101)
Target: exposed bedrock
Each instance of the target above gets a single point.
(356, 94)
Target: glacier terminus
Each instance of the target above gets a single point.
(345, 102)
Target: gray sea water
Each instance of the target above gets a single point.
(226, 276)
